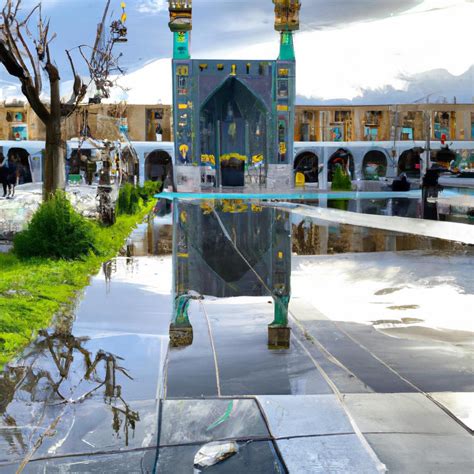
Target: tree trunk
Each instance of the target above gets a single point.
(54, 172)
(54, 165)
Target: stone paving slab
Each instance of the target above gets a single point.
(191, 370)
(328, 454)
(411, 434)
(424, 453)
(360, 362)
(202, 421)
(89, 427)
(257, 457)
(400, 413)
(305, 415)
(96, 427)
(246, 365)
(460, 404)
(433, 366)
(130, 463)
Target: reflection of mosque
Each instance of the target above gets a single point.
(310, 238)
(232, 248)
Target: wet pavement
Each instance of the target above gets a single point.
(373, 377)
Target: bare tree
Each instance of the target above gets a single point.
(26, 56)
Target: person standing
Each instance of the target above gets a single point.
(159, 133)
(12, 177)
(4, 173)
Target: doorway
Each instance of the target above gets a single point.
(233, 129)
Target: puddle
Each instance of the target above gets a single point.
(220, 283)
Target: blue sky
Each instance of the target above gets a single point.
(347, 49)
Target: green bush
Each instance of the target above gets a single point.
(131, 197)
(123, 201)
(341, 181)
(149, 189)
(129, 200)
(56, 231)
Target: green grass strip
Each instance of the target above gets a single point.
(32, 291)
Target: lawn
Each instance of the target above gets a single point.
(32, 291)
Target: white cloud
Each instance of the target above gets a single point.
(384, 52)
(363, 60)
(340, 63)
(152, 6)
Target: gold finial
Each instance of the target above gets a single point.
(180, 15)
(287, 15)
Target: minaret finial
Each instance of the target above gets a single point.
(181, 25)
(287, 15)
(287, 20)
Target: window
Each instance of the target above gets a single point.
(407, 133)
(282, 88)
(371, 133)
(336, 132)
(373, 118)
(16, 116)
(182, 85)
(342, 115)
(442, 121)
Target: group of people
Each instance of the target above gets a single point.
(9, 175)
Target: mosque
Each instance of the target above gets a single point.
(233, 120)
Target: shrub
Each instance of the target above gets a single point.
(129, 200)
(56, 231)
(149, 189)
(341, 181)
(123, 201)
(131, 197)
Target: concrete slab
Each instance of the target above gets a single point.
(142, 356)
(400, 413)
(202, 421)
(74, 429)
(191, 370)
(246, 365)
(412, 310)
(128, 295)
(424, 453)
(433, 366)
(96, 427)
(256, 457)
(327, 454)
(359, 361)
(305, 415)
(113, 463)
(461, 405)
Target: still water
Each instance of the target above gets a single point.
(182, 339)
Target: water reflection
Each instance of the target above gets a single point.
(58, 372)
(231, 248)
(311, 238)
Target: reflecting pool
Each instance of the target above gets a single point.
(295, 331)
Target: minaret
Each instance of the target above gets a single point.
(286, 21)
(181, 25)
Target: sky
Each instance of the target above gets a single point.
(348, 51)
